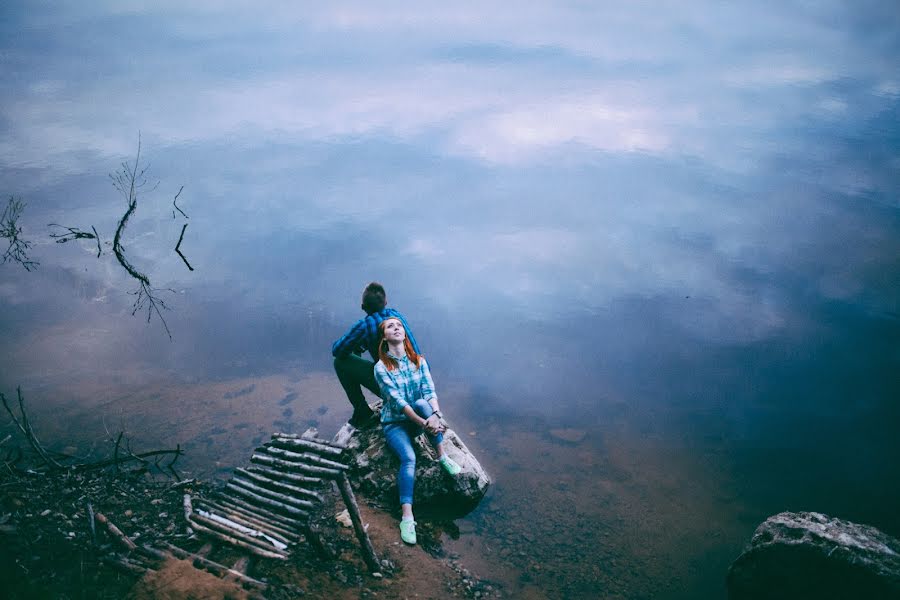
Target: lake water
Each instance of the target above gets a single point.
(650, 252)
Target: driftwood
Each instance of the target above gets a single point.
(281, 475)
(91, 523)
(317, 447)
(239, 534)
(289, 522)
(115, 532)
(275, 505)
(271, 461)
(365, 544)
(269, 519)
(233, 541)
(282, 535)
(123, 564)
(304, 457)
(277, 496)
(278, 485)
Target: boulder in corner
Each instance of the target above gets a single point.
(800, 555)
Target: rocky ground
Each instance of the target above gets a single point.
(48, 548)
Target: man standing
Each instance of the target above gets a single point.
(354, 371)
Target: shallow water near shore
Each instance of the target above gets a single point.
(651, 254)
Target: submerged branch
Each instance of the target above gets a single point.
(178, 250)
(17, 251)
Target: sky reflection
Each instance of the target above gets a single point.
(687, 214)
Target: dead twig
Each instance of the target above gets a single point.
(115, 532)
(17, 251)
(178, 246)
(130, 181)
(25, 427)
(175, 204)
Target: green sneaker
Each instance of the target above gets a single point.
(408, 531)
(450, 465)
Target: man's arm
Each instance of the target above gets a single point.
(350, 342)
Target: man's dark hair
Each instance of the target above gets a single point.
(374, 298)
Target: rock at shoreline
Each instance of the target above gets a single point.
(810, 555)
(374, 467)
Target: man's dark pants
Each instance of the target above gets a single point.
(354, 373)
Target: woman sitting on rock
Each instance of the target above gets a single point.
(410, 405)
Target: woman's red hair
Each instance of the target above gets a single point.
(389, 362)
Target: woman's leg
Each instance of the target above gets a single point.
(399, 440)
(424, 410)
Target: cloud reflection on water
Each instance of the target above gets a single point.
(686, 215)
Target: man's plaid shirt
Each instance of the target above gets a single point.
(402, 386)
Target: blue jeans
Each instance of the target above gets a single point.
(399, 437)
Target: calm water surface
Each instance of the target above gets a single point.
(651, 253)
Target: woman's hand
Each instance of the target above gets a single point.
(433, 425)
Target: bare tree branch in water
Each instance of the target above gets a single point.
(23, 424)
(17, 251)
(25, 427)
(130, 181)
(73, 233)
(178, 250)
(175, 204)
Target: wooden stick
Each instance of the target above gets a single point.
(271, 461)
(214, 567)
(224, 529)
(116, 533)
(303, 457)
(286, 499)
(268, 502)
(124, 565)
(290, 523)
(91, 524)
(246, 528)
(288, 537)
(311, 437)
(232, 541)
(368, 551)
(278, 485)
(317, 447)
(282, 475)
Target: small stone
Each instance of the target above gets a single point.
(128, 513)
(163, 515)
(343, 518)
(45, 513)
(156, 501)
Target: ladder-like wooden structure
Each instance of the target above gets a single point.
(265, 509)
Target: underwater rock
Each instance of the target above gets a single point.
(374, 467)
(800, 555)
(569, 435)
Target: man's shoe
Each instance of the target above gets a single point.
(408, 531)
(449, 465)
(365, 421)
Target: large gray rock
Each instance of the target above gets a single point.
(374, 469)
(810, 555)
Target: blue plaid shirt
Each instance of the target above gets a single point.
(364, 335)
(403, 386)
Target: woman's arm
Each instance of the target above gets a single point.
(427, 387)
